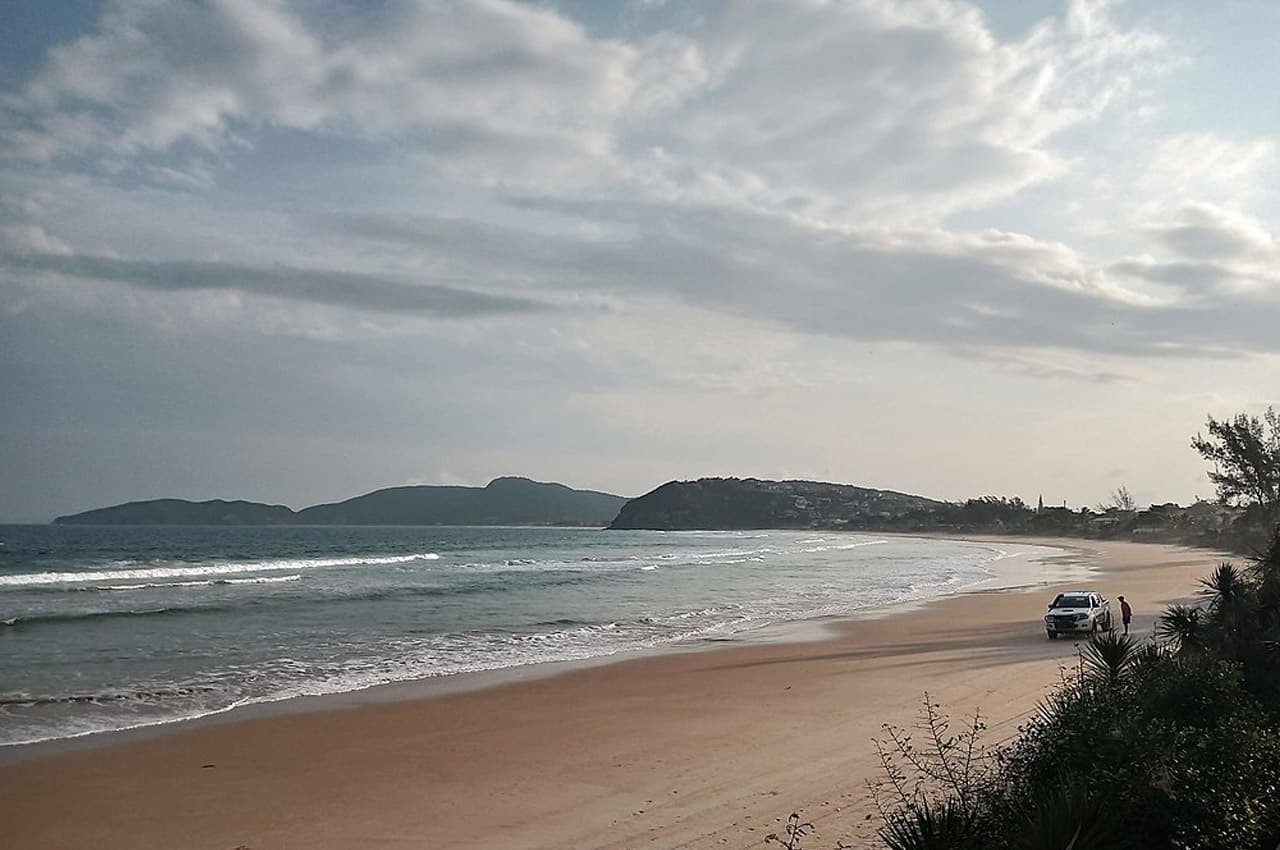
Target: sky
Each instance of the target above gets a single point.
(293, 251)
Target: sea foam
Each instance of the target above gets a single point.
(209, 569)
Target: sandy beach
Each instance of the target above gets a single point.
(697, 749)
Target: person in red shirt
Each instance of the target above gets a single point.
(1126, 614)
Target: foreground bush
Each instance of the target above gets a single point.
(1144, 747)
(1178, 754)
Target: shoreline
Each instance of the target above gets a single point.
(805, 630)
(701, 748)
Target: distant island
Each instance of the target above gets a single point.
(738, 503)
(504, 501)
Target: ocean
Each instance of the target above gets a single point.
(110, 628)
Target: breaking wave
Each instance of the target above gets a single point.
(211, 569)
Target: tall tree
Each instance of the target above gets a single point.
(1121, 499)
(1245, 453)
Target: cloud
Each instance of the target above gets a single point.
(1206, 232)
(791, 163)
(26, 237)
(848, 110)
(888, 111)
(334, 288)
(1199, 167)
(1063, 368)
(1210, 251)
(993, 289)
(159, 75)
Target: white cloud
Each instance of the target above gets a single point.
(862, 108)
(887, 111)
(1205, 167)
(26, 237)
(161, 74)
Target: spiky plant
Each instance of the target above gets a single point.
(1265, 573)
(1069, 817)
(1147, 656)
(1262, 658)
(1231, 599)
(1107, 656)
(1183, 626)
(1225, 587)
(925, 826)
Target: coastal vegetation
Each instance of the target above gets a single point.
(1244, 451)
(745, 503)
(1171, 743)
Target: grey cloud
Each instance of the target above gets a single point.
(158, 75)
(1207, 241)
(1192, 276)
(928, 287)
(1038, 369)
(1094, 376)
(334, 288)
(1206, 233)
(1211, 252)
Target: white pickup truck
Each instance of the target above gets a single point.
(1077, 612)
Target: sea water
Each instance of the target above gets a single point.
(108, 628)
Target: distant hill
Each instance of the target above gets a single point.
(733, 503)
(182, 512)
(504, 501)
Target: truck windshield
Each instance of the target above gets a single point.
(1071, 602)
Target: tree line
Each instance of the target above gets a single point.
(1244, 453)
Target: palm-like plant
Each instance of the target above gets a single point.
(944, 826)
(1146, 656)
(1231, 599)
(1262, 659)
(1068, 817)
(1225, 587)
(1184, 626)
(1240, 621)
(1266, 574)
(1107, 656)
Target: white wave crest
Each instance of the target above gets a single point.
(213, 582)
(843, 546)
(213, 569)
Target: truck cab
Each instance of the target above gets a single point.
(1077, 612)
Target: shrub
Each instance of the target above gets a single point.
(1147, 747)
(1178, 747)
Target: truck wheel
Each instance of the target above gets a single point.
(1052, 635)
(1093, 629)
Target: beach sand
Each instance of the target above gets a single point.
(686, 750)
